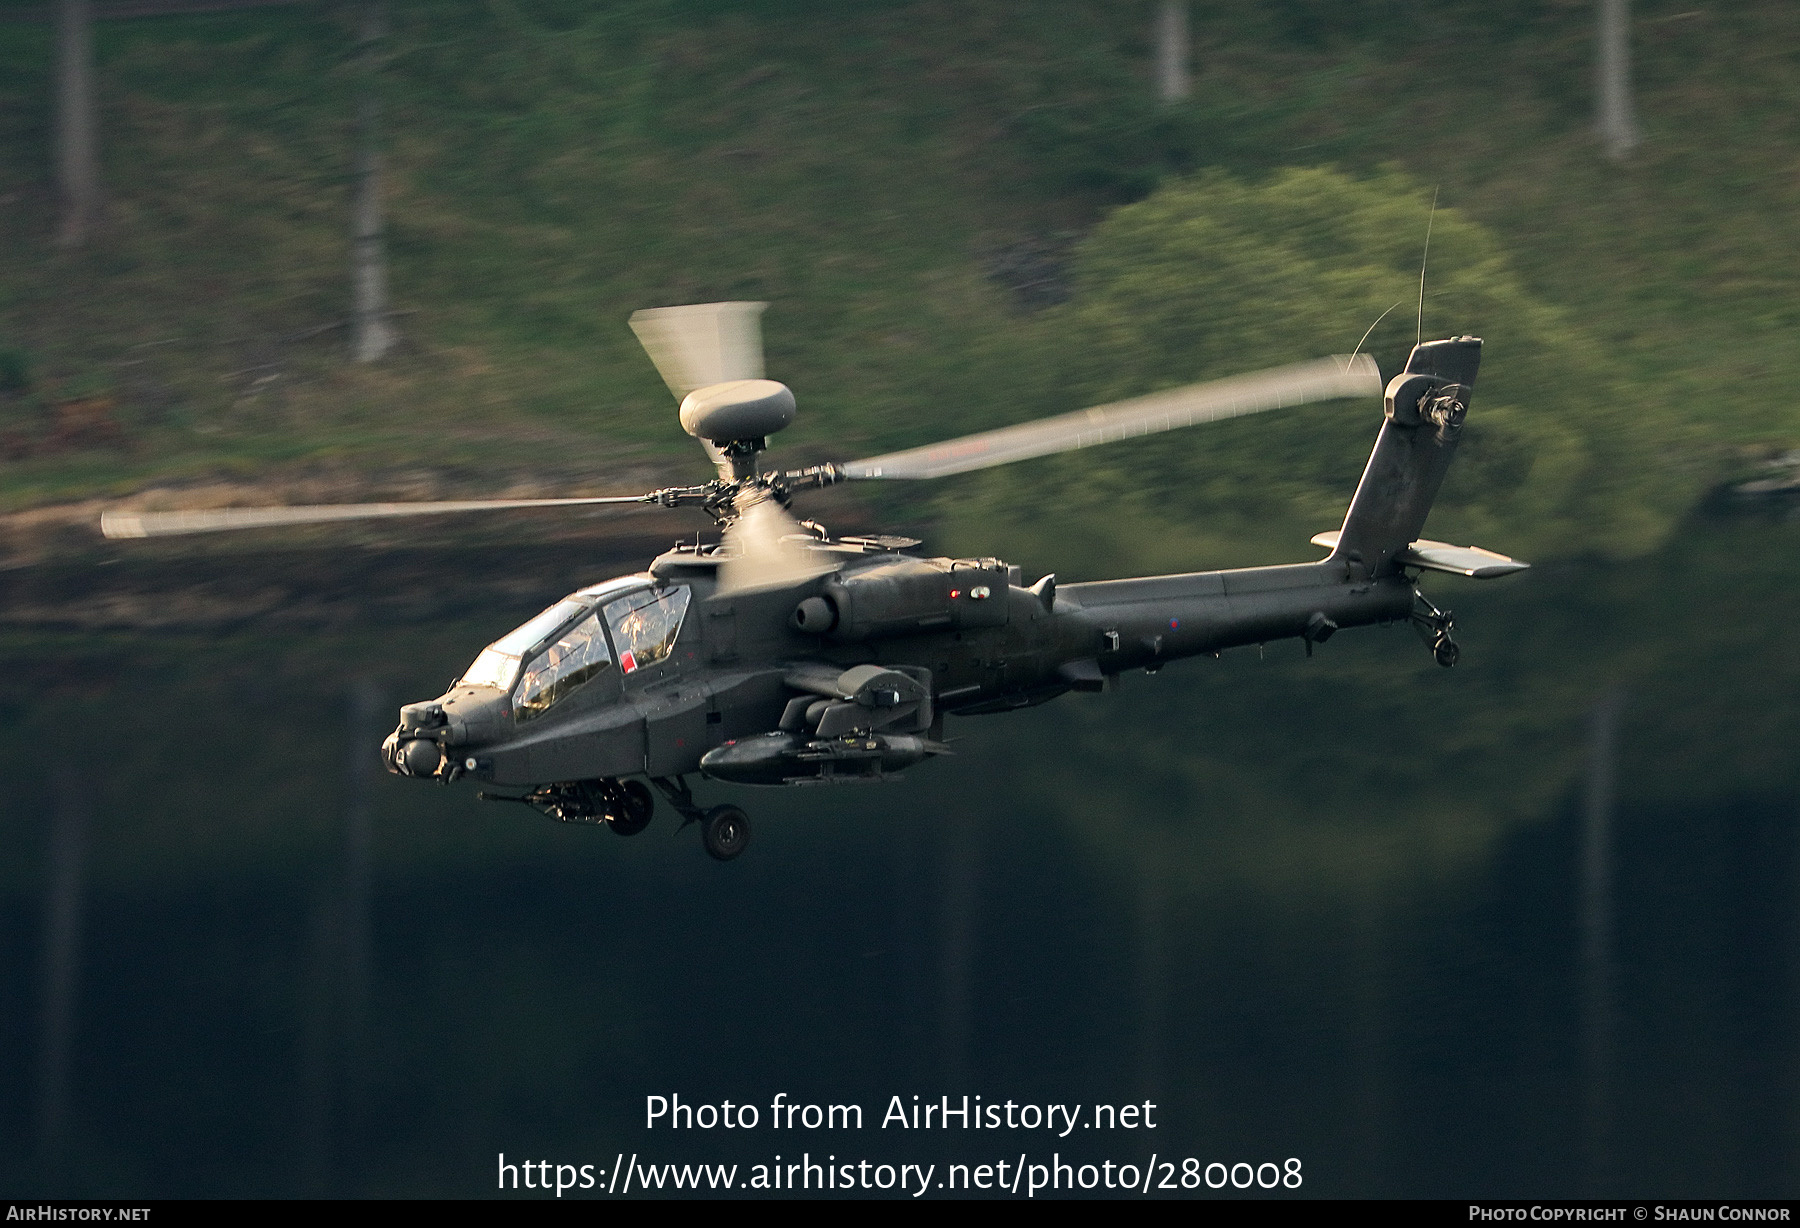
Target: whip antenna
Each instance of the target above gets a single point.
(1359, 345)
(1423, 260)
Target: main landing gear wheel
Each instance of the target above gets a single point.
(636, 807)
(1434, 627)
(725, 831)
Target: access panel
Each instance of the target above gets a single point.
(675, 729)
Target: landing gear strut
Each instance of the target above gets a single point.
(680, 796)
(1434, 627)
(724, 830)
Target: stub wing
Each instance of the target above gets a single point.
(1442, 556)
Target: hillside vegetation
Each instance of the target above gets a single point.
(962, 215)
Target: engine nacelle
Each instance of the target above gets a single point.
(906, 596)
(815, 616)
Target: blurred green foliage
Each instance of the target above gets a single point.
(15, 373)
(1214, 275)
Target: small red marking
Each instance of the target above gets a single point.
(955, 593)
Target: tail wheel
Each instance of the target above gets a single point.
(634, 807)
(725, 832)
(1446, 652)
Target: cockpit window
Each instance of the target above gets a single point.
(492, 668)
(498, 663)
(644, 625)
(522, 640)
(578, 654)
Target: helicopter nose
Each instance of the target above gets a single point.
(466, 716)
(435, 732)
(416, 718)
(405, 755)
(421, 757)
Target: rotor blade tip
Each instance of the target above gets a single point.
(120, 524)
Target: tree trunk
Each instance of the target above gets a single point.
(1172, 51)
(1615, 117)
(371, 333)
(77, 154)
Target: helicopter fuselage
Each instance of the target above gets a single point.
(747, 687)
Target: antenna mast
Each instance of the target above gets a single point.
(1419, 338)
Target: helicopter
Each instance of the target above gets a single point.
(781, 655)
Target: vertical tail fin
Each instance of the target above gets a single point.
(1425, 408)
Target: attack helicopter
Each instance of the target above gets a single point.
(782, 655)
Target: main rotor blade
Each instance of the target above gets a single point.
(1319, 380)
(706, 343)
(168, 524)
(766, 548)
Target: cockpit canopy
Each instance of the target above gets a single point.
(555, 653)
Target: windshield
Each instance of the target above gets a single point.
(498, 663)
(644, 625)
(524, 639)
(492, 668)
(578, 654)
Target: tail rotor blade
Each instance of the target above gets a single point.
(706, 343)
(169, 524)
(1319, 380)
